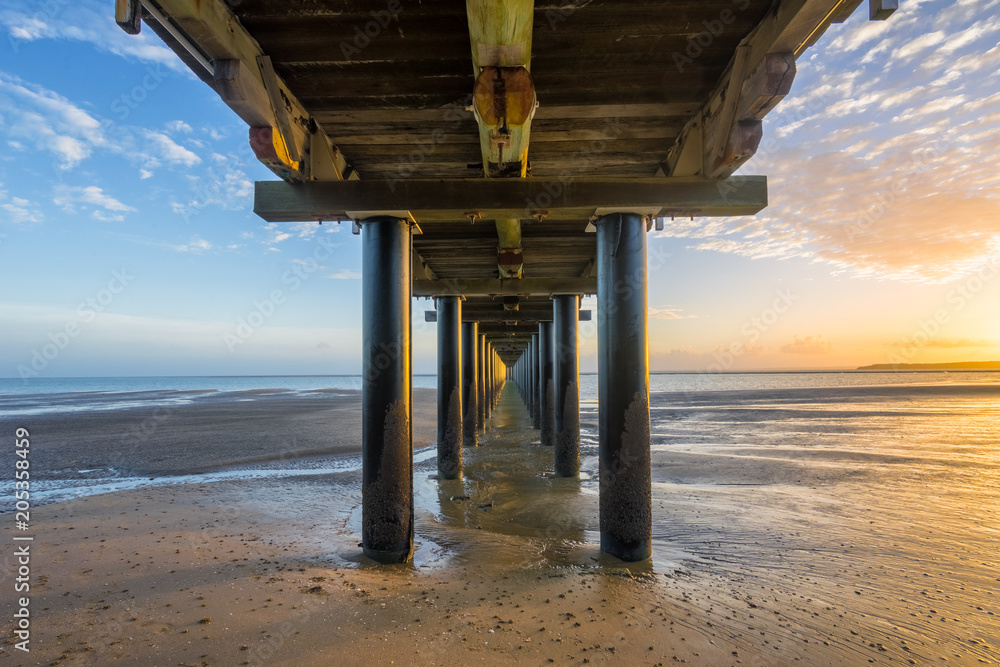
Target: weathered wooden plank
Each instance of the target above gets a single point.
(318, 84)
(332, 99)
(626, 149)
(497, 314)
(455, 113)
(283, 9)
(409, 136)
(127, 15)
(497, 287)
(880, 10)
(280, 107)
(422, 65)
(844, 11)
(521, 327)
(789, 29)
(430, 200)
(562, 169)
(603, 48)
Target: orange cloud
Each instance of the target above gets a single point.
(950, 343)
(667, 313)
(808, 345)
(881, 166)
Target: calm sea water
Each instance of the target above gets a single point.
(55, 395)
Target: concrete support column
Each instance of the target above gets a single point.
(386, 438)
(546, 390)
(536, 421)
(566, 376)
(449, 440)
(518, 367)
(526, 379)
(490, 384)
(519, 375)
(498, 378)
(470, 384)
(623, 387)
(481, 351)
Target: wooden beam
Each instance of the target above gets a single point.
(503, 329)
(717, 122)
(496, 287)
(761, 70)
(725, 134)
(279, 105)
(420, 270)
(844, 10)
(503, 102)
(523, 315)
(451, 200)
(880, 10)
(501, 315)
(127, 15)
(215, 30)
(453, 113)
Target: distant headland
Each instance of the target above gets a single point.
(953, 366)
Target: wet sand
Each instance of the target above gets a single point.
(849, 530)
(212, 431)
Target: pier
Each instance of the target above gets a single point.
(502, 158)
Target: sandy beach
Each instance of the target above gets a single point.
(858, 526)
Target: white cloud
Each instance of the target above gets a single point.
(668, 313)
(920, 43)
(19, 210)
(47, 122)
(179, 126)
(68, 197)
(169, 150)
(195, 245)
(223, 184)
(345, 274)
(35, 117)
(90, 22)
(107, 217)
(935, 106)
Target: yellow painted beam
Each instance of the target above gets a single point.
(504, 103)
(503, 93)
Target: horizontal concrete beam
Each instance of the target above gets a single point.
(497, 287)
(503, 329)
(448, 200)
(506, 316)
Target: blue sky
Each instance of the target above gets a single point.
(879, 243)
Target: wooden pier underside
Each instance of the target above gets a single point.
(646, 107)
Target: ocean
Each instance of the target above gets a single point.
(79, 394)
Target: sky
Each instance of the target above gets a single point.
(128, 245)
